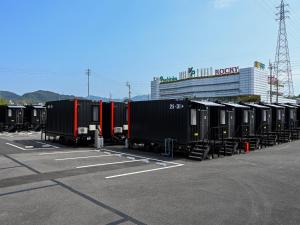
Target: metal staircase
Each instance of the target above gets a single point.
(200, 151)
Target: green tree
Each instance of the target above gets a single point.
(3, 101)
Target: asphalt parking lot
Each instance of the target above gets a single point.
(46, 183)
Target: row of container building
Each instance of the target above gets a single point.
(198, 128)
(19, 118)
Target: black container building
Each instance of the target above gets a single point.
(115, 122)
(278, 116)
(240, 124)
(291, 121)
(262, 117)
(188, 123)
(297, 114)
(73, 121)
(263, 124)
(35, 117)
(11, 118)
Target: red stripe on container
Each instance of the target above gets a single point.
(112, 109)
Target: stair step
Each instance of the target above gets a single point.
(195, 157)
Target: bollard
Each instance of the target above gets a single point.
(247, 147)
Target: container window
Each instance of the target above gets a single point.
(95, 113)
(193, 117)
(222, 117)
(9, 113)
(246, 116)
(279, 115)
(34, 112)
(265, 116)
(292, 114)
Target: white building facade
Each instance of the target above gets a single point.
(223, 84)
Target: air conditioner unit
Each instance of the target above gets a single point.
(92, 127)
(82, 130)
(118, 130)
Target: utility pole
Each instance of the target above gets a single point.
(129, 90)
(271, 81)
(88, 73)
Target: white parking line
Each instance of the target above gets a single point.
(68, 152)
(16, 146)
(143, 171)
(105, 164)
(85, 157)
(28, 148)
(43, 143)
(141, 157)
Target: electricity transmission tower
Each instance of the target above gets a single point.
(282, 66)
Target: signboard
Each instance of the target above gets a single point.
(191, 72)
(167, 79)
(259, 65)
(227, 71)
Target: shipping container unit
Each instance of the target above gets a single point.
(115, 122)
(242, 129)
(188, 125)
(73, 121)
(263, 124)
(297, 114)
(11, 118)
(35, 117)
(291, 122)
(278, 122)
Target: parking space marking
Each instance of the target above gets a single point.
(16, 146)
(85, 157)
(143, 171)
(112, 163)
(68, 152)
(43, 143)
(28, 148)
(141, 157)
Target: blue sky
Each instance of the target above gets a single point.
(49, 44)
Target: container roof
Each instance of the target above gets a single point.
(293, 104)
(288, 106)
(257, 106)
(38, 106)
(16, 106)
(206, 103)
(235, 105)
(274, 106)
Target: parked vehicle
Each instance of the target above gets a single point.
(35, 117)
(11, 118)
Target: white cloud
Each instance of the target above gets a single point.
(221, 4)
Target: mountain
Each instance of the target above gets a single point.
(45, 96)
(9, 95)
(42, 96)
(141, 98)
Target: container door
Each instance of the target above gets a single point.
(194, 124)
(43, 117)
(19, 116)
(204, 124)
(251, 122)
(269, 120)
(231, 124)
